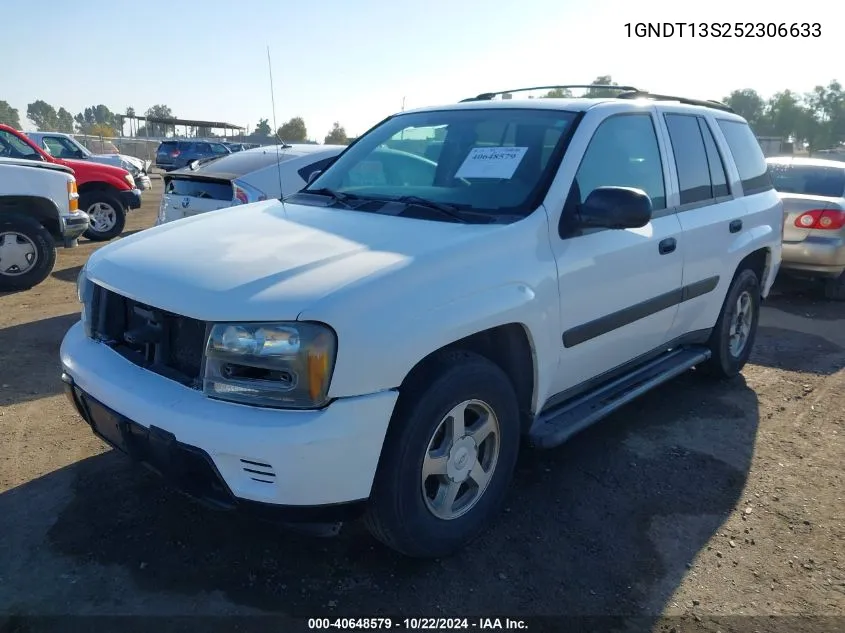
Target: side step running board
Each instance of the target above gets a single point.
(554, 427)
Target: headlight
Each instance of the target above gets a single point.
(284, 365)
(84, 293)
(128, 178)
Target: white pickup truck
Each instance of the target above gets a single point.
(39, 206)
(382, 342)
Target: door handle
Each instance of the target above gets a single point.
(667, 246)
(735, 226)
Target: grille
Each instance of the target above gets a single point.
(165, 343)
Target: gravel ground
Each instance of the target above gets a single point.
(703, 504)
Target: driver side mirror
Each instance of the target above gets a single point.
(616, 208)
(313, 176)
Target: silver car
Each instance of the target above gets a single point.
(813, 194)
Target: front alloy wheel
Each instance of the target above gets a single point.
(448, 457)
(460, 459)
(106, 213)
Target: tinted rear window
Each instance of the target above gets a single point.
(808, 180)
(748, 156)
(200, 188)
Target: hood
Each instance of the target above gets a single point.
(130, 163)
(265, 261)
(93, 167)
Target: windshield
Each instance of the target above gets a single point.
(493, 160)
(811, 180)
(13, 147)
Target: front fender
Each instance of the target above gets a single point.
(385, 328)
(381, 356)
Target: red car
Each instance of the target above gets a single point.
(106, 192)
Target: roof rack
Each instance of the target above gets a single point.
(644, 94)
(487, 96)
(626, 92)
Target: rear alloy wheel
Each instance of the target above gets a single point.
(733, 337)
(107, 216)
(27, 253)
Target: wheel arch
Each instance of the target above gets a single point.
(41, 209)
(509, 346)
(98, 186)
(759, 262)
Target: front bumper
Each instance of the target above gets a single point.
(816, 255)
(74, 226)
(143, 182)
(303, 459)
(131, 198)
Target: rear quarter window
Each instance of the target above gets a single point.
(748, 156)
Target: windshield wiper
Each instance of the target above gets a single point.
(444, 209)
(337, 196)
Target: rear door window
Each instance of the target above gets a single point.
(748, 156)
(690, 158)
(718, 175)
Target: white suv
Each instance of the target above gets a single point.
(383, 341)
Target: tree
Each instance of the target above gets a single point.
(64, 121)
(598, 93)
(827, 103)
(159, 111)
(43, 115)
(293, 131)
(97, 115)
(747, 104)
(263, 128)
(557, 93)
(337, 135)
(9, 115)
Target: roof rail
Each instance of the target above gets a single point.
(487, 96)
(707, 103)
(626, 92)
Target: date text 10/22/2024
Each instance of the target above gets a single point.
(417, 624)
(782, 30)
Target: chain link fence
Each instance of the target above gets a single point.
(142, 148)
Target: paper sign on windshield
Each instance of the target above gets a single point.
(491, 162)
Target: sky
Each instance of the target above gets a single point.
(357, 61)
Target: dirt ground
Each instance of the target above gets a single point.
(703, 504)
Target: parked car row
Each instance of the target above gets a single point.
(61, 145)
(102, 194)
(39, 209)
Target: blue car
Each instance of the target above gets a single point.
(177, 154)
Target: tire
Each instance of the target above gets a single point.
(23, 241)
(727, 361)
(107, 212)
(401, 512)
(834, 289)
